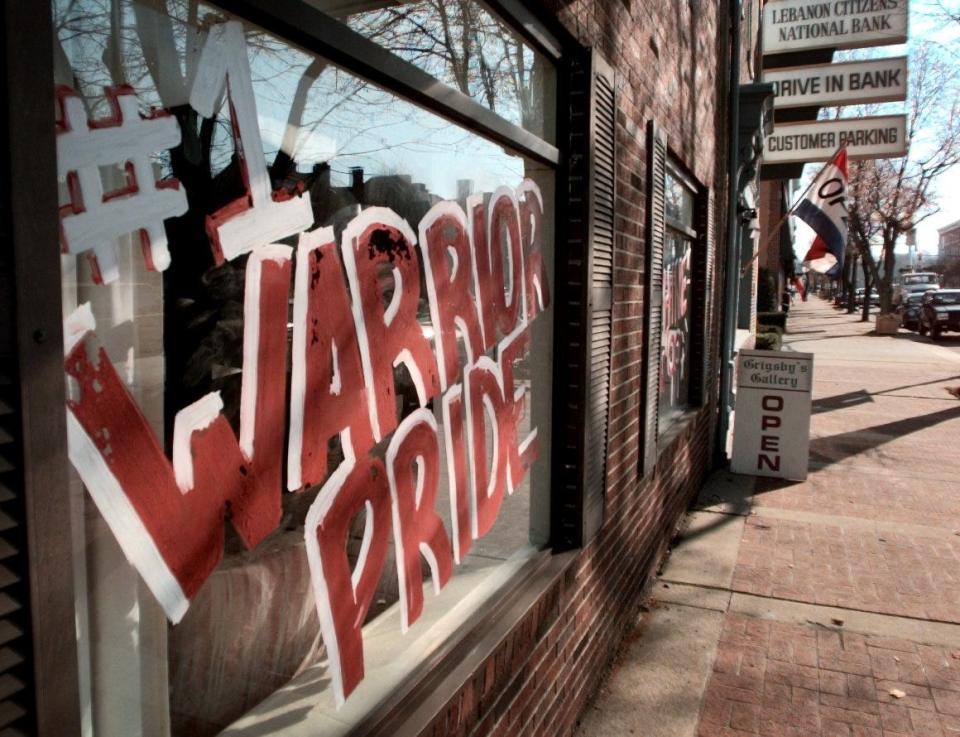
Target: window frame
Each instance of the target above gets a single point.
(321, 34)
(661, 161)
(665, 434)
(55, 707)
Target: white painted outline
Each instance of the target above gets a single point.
(508, 193)
(484, 363)
(372, 216)
(421, 416)
(454, 393)
(192, 418)
(103, 486)
(308, 242)
(131, 534)
(78, 324)
(81, 149)
(251, 339)
(529, 187)
(454, 211)
(224, 67)
(474, 202)
(315, 515)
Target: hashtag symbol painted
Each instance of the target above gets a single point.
(93, 219)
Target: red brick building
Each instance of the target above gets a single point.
(389, 339)
(948, 253)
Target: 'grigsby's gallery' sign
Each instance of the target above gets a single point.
(482, 270)
(792, 25)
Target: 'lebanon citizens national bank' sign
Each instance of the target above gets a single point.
(791, 25)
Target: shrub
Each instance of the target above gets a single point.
(769, 340)
(767, 298)
(773, 319)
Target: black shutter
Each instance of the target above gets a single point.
(16, 678)
(584, 325)
(600, 344)
(653, 294)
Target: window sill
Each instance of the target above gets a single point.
(407, 685)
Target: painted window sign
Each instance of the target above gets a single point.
(677, 301)
(447, 303)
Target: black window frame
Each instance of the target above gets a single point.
(50, 703)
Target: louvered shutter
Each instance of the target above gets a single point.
(653, 294)
(584, 303)
(600, 344)
(15, 678)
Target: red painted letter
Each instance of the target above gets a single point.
(344, 596)
(448, 266)
(168, 518)
(416, 527)
(380, 239)
(327, 394)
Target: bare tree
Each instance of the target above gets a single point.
(889, 197)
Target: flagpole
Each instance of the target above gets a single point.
(787, 214)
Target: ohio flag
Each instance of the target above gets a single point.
(824, 208)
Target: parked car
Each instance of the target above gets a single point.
(940, 312)
(916, 282)
(909, 311)
(859, 294)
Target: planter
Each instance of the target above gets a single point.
(888, 324)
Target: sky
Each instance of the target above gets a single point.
(924, 26)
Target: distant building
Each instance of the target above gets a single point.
(949, 253)
(949, 245)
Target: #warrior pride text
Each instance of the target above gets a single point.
(485, 281)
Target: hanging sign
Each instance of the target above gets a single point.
(879, 137)
(771, 433)
(846, 83)
(794, 25)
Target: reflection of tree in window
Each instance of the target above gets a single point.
(464, 45)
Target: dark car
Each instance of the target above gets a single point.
(909, 311)
(940, 312)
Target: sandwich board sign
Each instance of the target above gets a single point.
(771, 431)
(795, 25)
(844, 83)
(876, 137)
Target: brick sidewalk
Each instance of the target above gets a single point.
(827, 608)
(871, 530)
(779, 679)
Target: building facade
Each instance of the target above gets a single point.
(948, 254)
(359, 358)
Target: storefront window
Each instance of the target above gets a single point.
(675, 361)
(463, 44)
(329, 312)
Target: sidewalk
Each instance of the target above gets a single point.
(824, 608)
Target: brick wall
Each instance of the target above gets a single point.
(668, 58)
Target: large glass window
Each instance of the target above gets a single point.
(331, 310)
(675, 351)
(466, 46)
